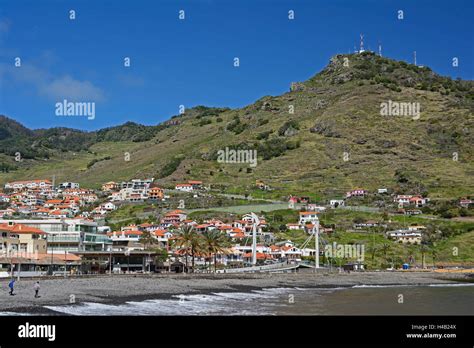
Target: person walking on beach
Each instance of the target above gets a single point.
(37, 289)
(11, 286)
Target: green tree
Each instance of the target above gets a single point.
(147, 240)
(385, 248)
(214, 242)
(184, 240)
(196, 247)
(434, 255)
(423, 249)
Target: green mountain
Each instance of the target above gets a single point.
(324, 136)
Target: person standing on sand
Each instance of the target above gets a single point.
(11, 286)
(37, 289)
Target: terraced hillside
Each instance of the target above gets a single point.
(324, 136)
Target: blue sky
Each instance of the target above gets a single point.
(190, 62)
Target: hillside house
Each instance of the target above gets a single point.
(110, 186)
(155, 193)
(68, 185)
(405, 236)
(307, 217)
(334, 203)
(261, 185)
(29, 184)
(196, 184)
(293, 226)
(416, 201)
(184, 187)
(356, 193)
(465, 203)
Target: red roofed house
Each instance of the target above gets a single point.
(465, 202)
(196, 184)
(29, 239)
(261, 257)
(155, 193)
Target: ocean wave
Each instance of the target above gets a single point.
(195, 304)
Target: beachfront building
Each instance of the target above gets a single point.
(66, 235)
(9, 240)
(96, 262)
(22, 238)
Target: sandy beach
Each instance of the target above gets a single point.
(119, 289)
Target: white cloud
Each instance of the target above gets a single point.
(50, 86)
(69, 88)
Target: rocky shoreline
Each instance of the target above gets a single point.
(119, 289)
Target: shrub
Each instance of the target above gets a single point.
(264, 135)
(286, 125)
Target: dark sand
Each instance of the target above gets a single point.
(118, 289)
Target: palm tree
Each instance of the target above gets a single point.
(147, 239)
(385, 248)
(434, 255)
(196, 247)
(213, 243)
(373, 249)
(423, 249)
(185, 236)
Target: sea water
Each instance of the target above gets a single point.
(439, 299)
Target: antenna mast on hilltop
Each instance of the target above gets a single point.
(380, 49)
(361, 43)
(414, 57)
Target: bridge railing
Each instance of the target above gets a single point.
(274, 266)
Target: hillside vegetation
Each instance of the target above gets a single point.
(302, 138)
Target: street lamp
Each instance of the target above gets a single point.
(127, 253)
(52, 250)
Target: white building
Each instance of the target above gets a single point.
(307, 217)
(69, 185)
(334, 203)
(136, 184)
(29, 184)
(405, 236)
(184, 187)
(65, 235)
